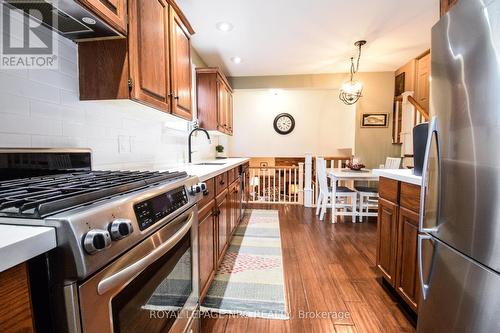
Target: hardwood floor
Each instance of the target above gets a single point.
(331, 280)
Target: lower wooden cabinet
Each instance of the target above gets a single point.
(207, 245)
(387, 235)
(218, 218)
(407, 284)
(397, 236)
(235, 205)
(16, 314)
(222, 223)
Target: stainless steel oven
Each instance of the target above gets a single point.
(151, 288)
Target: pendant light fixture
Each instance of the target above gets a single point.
(351, 90)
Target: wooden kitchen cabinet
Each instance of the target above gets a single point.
(113, 12)
(397, 236)
(387, 239)
(180, 55)
(223, 219)
(149, 53)
(151, 66)
(446, 5)
(407, 283)
(422, 76)
(16, 313)
(219, 215)
(214, 100)
(207, 246)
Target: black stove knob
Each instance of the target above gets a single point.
(120, 228)
(96, 240)
(194, 189)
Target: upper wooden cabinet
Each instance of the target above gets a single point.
(148, 45)
(180, 56)
(113, 12)
(445, 6)
(214, 100)
(151, 66)
(422, 75)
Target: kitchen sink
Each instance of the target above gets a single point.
(210, 163)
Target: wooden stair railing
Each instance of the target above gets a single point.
(419, 107)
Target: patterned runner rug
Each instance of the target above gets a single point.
(250, 281)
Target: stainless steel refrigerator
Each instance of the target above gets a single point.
(459, 239)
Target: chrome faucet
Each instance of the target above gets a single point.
(189, 139)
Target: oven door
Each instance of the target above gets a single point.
(151, 288)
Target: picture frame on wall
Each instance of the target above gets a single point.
(374, 120)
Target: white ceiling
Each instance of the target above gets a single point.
(278, 37)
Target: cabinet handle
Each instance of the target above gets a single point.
(176, 97)
(222, 182)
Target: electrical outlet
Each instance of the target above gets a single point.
(124, 145)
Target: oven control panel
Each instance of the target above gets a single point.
(150, 211)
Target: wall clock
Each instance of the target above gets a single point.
(284, 123)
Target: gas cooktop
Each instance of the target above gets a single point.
(39, 197)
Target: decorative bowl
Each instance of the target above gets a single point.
(355, 167)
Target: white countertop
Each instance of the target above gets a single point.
(403, 175)
(205, 172)
(20, 243)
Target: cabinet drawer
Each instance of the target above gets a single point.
(211, 193)
(220, 183)
(389, 189)
(233, 174)
(207, 209)
(410, 197)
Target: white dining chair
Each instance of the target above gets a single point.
(343, 194)
(392, 163)
(368, 195)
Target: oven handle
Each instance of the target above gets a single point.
(130, 272)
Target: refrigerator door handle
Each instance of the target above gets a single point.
(433, 132)
(423, 282)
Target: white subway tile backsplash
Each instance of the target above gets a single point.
(14, 104)
(15, 140)
(54, 78)
(38, 90)
(52, 141)
(30, 125)
(41, 108)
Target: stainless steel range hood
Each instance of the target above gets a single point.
(66, 17)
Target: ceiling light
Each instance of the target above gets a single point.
(351, 90)
(236, 60)
(224, 26)
(88, 20)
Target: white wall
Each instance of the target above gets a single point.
(40, 108)
(323, 124)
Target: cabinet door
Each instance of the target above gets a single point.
(222, 227)
(180, 55)
(207, 251)
(113, 12)
(221, 107)
(387, 236)
(229, 111)
(148, 52)
(407, 284)
(422, 89)
(237, 204)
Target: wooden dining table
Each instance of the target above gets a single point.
(344, 174)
